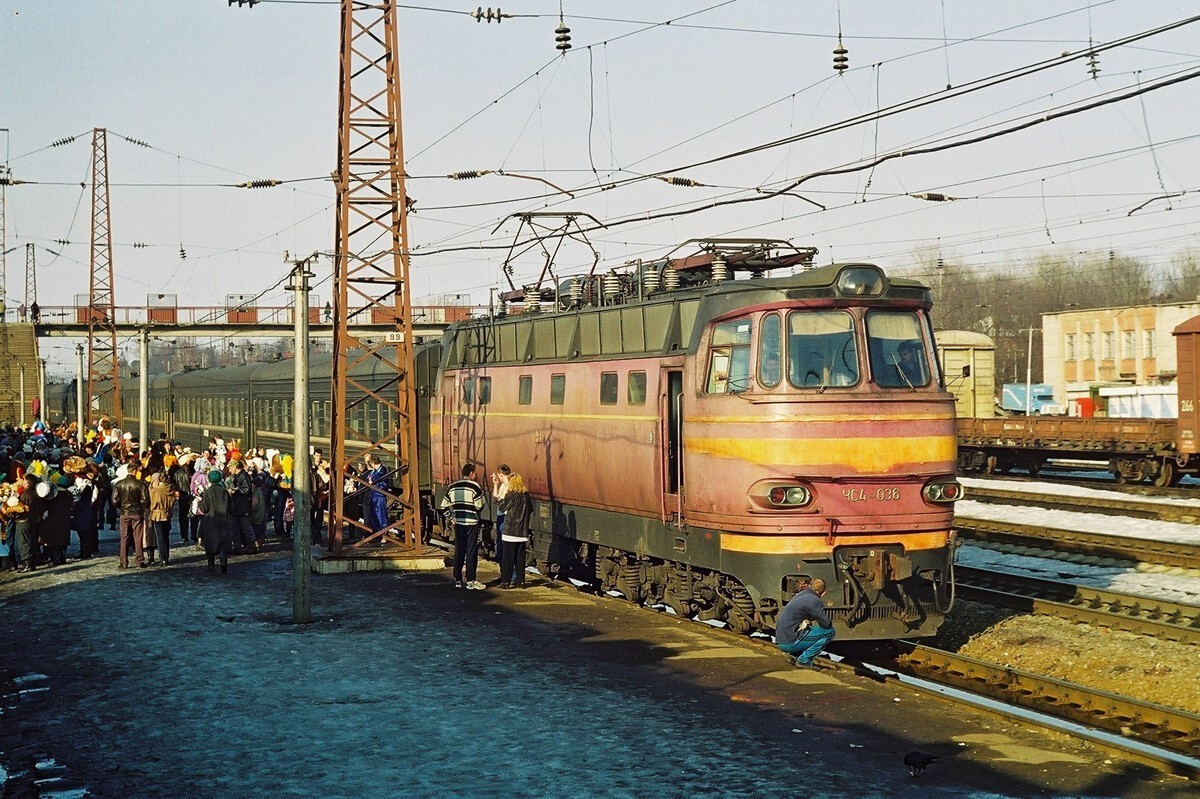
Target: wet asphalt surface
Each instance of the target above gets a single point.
(169, 682)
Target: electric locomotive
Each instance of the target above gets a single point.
(699, 433)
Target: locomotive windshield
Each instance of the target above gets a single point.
(729, 367)
(821, 349)
(897, 352)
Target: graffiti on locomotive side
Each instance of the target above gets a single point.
(879, 495)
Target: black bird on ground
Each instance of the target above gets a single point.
(918, 762)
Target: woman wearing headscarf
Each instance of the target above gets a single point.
(199, 482)
(83, 494)
(216, 528)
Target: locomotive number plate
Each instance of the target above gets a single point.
(866, 495)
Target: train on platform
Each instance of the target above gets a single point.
(710, 431)
(1156, 450)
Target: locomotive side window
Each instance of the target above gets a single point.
(821, 349)
(637, 388)
(468, 391)
(608, 388)
(770, 351)
(898, 357)
(485, 390)
(729, 358)
(525, 390)
(558, 389)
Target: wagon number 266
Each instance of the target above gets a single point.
(881, 494)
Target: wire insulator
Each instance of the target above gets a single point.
(1093, 63)
(138, 142)
(468, 174)
(259, 184)
(562, 37)
(480, 14)
(62, 142)
(676, 181)
(841, 59)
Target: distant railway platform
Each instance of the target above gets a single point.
(173, 682)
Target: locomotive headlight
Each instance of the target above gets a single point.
(773, 495)
(942, 491)
(860, 281)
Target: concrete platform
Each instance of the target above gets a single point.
(377, 559)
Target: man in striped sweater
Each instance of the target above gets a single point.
(464, 501)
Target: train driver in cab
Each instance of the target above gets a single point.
(910, 364)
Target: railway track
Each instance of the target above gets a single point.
(1116, 506)
(1130, 722)
(1186, 491)
(1052, 540)
(1141, 615)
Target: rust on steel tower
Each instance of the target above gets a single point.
(371, 273)
(101, 314)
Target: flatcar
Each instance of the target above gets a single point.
(1161, 451)
(694, 432)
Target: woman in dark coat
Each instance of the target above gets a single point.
(216, 528)
(55, 529)
(516, 507)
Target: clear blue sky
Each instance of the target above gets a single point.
(226, 94)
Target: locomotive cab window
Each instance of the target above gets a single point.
(729, 358)
(821, 349)
(608, 388)
(485, 390)
(898, 357)
(525, 390)
(558, 389)
(468, 391)
(770, 351)
(637, 388)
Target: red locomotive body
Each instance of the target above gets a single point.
(713, 443)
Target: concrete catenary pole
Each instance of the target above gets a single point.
(302, 526)
(1029, 375)
(23, 409)
(144, 388)
(80, 376)
(42, 413)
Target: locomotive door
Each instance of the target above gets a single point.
(671, 436)
(449, 430)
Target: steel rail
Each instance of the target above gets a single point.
(1141, 615)
(1117, 506)
(1169, 728)
(1163, 553)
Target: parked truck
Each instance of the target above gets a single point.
(1038, 400)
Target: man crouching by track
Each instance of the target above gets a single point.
(804, 628)
(464, 501)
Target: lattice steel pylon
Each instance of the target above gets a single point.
(371, 416)
(30, 276)
(101, 311)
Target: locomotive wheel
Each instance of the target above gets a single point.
(682, 608)
(739, 624)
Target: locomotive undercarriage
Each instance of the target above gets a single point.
(686, 590)
(875, 592)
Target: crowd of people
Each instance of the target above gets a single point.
(223, 500)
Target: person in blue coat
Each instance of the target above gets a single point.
(376, 504)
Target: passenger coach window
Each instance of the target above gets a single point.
(729, 358)
(898, 358)
(558, 389)
(608, 388)
(637, 388)
(525, 390)
(821, 349)
(770, 351)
